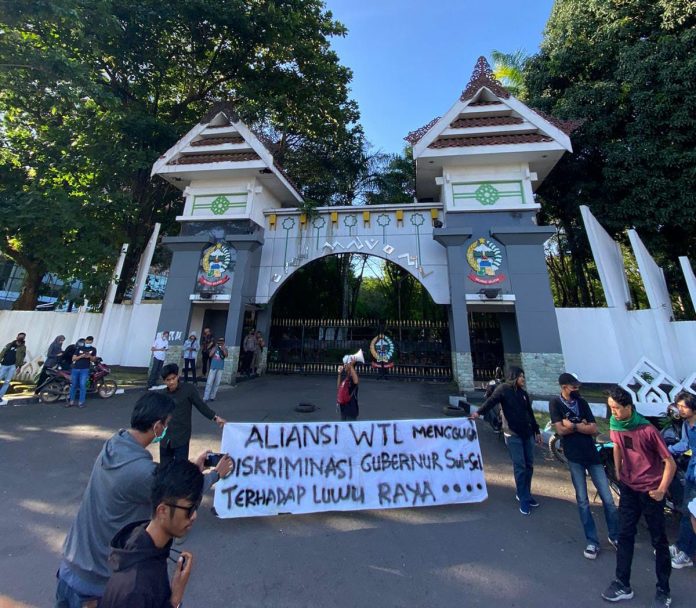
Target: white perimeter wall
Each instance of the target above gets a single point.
(599, 344)
(127, 341)
(604, 344)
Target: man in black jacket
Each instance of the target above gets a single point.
(176, 444)
(520, 429)
(141, 549)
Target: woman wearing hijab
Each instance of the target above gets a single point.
(55, 350)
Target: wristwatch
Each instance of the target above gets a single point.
(575, 426)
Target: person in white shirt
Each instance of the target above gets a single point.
(159, 353)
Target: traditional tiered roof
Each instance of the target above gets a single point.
(486, 122)
(221, 146)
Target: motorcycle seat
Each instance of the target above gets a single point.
(603, 439)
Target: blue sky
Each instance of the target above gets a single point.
(411, 59)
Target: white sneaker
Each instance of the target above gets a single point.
(3, 402)
(591, 551)
(681, 560)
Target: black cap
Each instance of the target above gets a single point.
(566, 378)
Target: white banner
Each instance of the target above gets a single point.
(348, 466)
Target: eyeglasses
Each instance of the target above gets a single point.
(189, 510)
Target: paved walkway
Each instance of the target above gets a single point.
(461, 555)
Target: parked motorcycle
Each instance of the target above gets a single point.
(494, 416)
(57, 384)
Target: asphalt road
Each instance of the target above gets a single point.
(462, 555)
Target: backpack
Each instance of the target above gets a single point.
(343, 396)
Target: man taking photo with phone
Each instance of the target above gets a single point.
(118, 493)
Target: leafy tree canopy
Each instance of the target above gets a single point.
(627, 69)
(91, 93)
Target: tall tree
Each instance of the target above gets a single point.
(393, 179)
(509, 69)
(119, 81)
(627, 70)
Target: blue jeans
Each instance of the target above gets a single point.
(79, 376)
(600, 481)
(67, 597)
(7, 372)
(687, 539)
(522, 455)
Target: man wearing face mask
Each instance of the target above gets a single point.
(118, 493)
(11, 360)
(574, 422)
(83, 356)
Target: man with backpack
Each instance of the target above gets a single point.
(574, 422)
(11, 360)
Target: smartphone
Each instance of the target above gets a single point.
(212, 459)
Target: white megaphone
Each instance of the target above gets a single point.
(356, 358)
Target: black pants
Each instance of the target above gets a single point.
(631, 506)
(205, 362)
(154, 378)
(247, 356)
(168, 453)
(190, 366)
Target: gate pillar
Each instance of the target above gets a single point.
(453, 240)
(541, 356)
(243, 292)
(176, 306)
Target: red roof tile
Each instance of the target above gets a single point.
(216, 141)
(489, 140)
(487, 121)
(220, 157)
(483, 103)
(415, 136)
(483, 77)
(567, 126)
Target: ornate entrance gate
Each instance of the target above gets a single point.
(393, 349)
(471, 238)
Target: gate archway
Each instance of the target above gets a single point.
(403, 236)
(304, 339)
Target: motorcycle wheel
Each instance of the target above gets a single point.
(107, 388)
(557, 450)
(53, 391)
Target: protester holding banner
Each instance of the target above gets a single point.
(347, 387)
(139, 552)
(118, 493)
(185, 396)
(521, 430)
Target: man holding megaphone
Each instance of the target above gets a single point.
(347, 386)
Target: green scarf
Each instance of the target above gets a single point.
(631, 424)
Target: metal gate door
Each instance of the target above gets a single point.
(393, 349)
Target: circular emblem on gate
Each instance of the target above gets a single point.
(485, 258)
(382, 349)
(215, 261)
